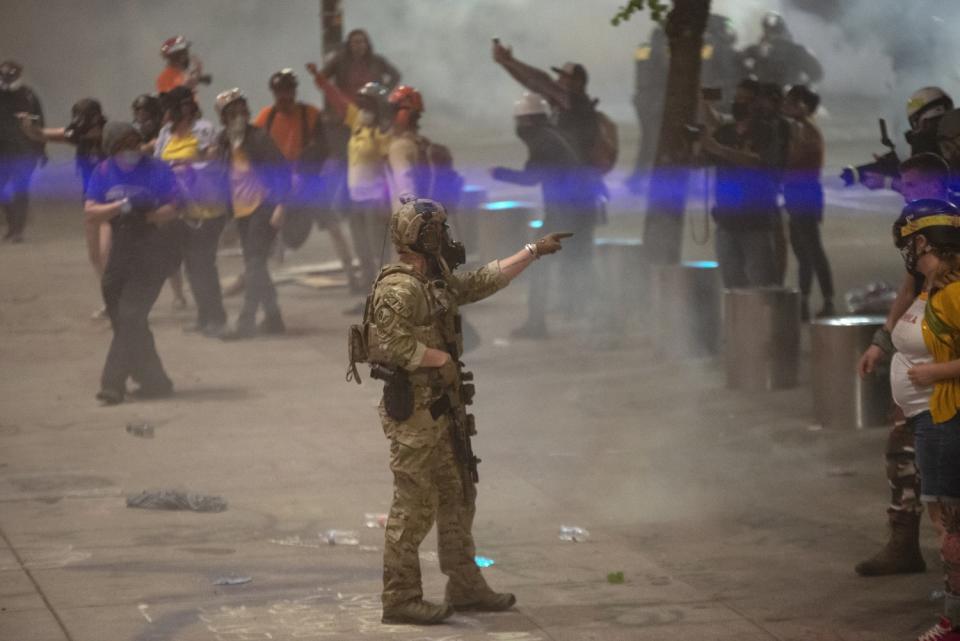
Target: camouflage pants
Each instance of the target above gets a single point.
(950, 550)
(427, 487)
(902, 470)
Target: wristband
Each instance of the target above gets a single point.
(530, 247)
(883, 340)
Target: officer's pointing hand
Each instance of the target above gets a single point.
(550, 244)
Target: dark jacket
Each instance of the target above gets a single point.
(350, 74)
(272, 168)
(13, 141)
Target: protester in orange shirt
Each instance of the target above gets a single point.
(181, 69)
(297, 129)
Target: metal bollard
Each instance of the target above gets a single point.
(762, 332)
(621, 274)
(687, 305)
(502, 227)
(841, 399)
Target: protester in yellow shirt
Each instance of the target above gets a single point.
(928, 236)
(366, 169)
(258, 180)
(186, 142)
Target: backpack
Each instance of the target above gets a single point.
(606, 146)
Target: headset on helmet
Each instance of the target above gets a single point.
(927, 103)
(283, 78)
(406, 97)
(937, 220)
(173, 45)
(227, 98)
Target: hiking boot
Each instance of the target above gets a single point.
(272, 325)
(417, 612)
(901, 554)
(943, 631)
(488, 602)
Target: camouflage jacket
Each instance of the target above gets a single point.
(413, 313)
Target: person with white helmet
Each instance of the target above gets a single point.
(259, 181)
(570, 201)
(182, 69)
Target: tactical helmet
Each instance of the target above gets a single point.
(927, 103)
(406, 97)
(937, 220)
(227, 98)
(407, 221)
(285, 78)
(372, 95)
(173, 45)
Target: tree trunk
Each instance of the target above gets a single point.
(667, 199)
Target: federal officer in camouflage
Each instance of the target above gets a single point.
(415, 348)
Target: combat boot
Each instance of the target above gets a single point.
(485, 601)
(417, 612)
(901, 554)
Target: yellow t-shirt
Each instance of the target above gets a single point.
(366, 158)
(245, 187)
(941, 333)
(183, 149)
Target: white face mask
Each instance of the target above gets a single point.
(236, 130)
(367, 118)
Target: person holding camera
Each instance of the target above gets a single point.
(136, 195)
(749, 154)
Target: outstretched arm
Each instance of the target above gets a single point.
(340, 101)
(536, 80)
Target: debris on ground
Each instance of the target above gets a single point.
(573, 533)
(375, 520)
(340, 537)
(616, 578)
(294, 541)
(233, 580)
(483, 562)
(176, 500)
(143, 430)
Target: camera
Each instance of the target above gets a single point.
(887, 165)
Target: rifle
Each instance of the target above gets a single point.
(462, 425)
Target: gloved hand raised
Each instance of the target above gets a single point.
(550, 244)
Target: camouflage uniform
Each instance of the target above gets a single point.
(411, 313)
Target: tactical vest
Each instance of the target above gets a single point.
(439, 329)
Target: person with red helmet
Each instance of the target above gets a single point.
(182, 69)
(406, 155)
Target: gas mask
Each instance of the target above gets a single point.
(236, 130)
(924, 139)
(434, 239)
(81, 125)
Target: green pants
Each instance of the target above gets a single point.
(427, 487)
